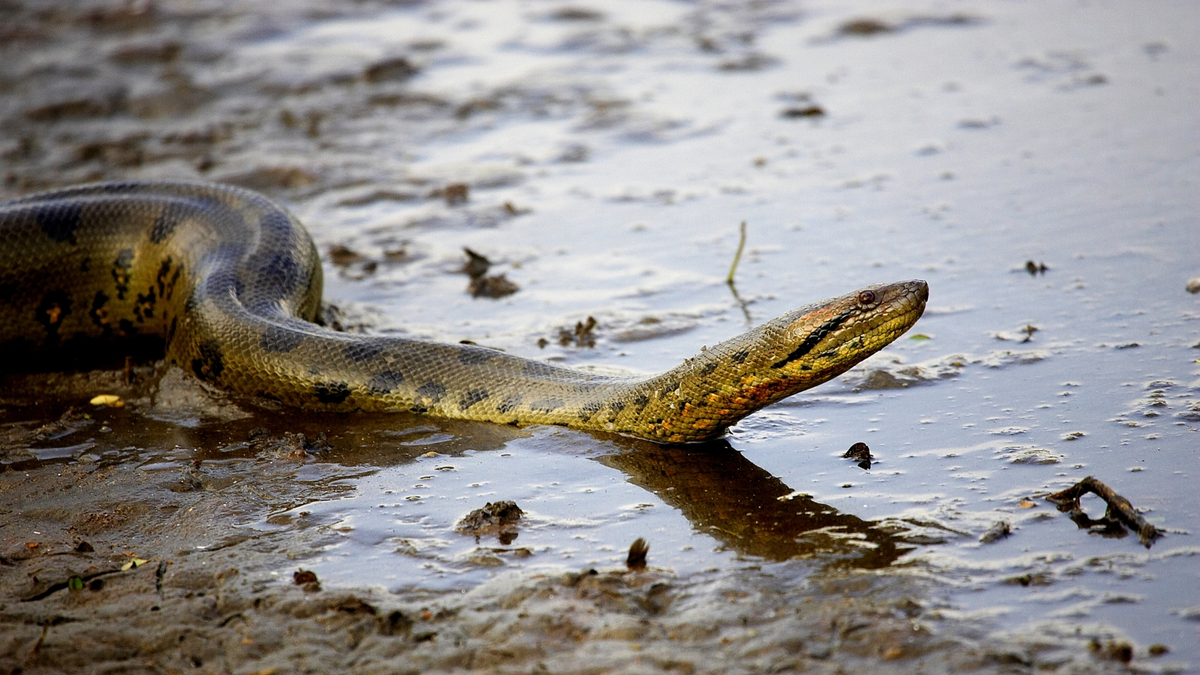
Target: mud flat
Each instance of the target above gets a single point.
(1035, 163)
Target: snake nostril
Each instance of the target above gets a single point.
(866, 297)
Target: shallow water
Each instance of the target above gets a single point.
(953, 153)
(610, 157)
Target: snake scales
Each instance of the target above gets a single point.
(230, 282)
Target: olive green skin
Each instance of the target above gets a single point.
(230, 282)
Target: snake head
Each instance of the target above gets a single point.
(819, 342)
(794, 352)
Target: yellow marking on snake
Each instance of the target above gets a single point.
(231, 282)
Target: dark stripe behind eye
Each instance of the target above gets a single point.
(815, 337)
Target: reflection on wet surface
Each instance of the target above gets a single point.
(721, 494)
(727, 497)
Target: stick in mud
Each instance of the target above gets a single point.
(737, 257)
(1119, 508)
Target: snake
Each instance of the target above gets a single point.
(228, 284)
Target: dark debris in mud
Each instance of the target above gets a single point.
(306, 579)
(483, 285)
(290, 445)
(335, 317)
(454, 193)
(867, 27)
(1119, 515)
(860, 453)
(499, 518)
(495, 286)
(1035, 269)
(638, 550)
(1001, 529)
(801, 112)
(583, 335)
(1114, 650)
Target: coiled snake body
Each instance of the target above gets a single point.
(230, 282)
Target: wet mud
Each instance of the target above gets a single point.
(594, 161)
(127, 546)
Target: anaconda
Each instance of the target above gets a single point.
(230, 283)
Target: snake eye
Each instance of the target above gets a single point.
(866, 297)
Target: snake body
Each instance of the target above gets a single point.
(230, 282)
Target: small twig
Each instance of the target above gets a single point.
(1119, 508)
(737, 256)
(37, 646)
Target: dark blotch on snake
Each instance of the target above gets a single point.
(166, 223)
(55, 306)
(537, 369)
(332, 392)
(144, 307)
(362, 351)
(193, 301)
(277, 276)
(509, 403)
(166, 283)
(472, 397)
(617, 406)
(740, 356)
(473, 356)
(280, 339)
(59, 221)
(121, 271)
(432, 391)
(277, 224)
(211, 361)
(709, 368)
(546, 405)
(173, 281)
(589, 409)
(385, 382)
(98, 313)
